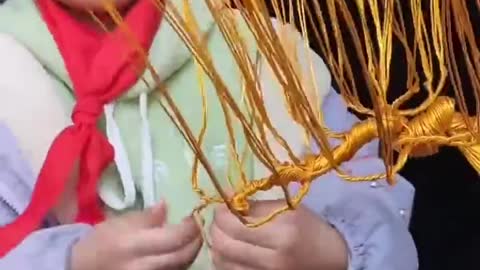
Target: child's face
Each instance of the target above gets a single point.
(95, 5)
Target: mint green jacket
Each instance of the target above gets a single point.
(152, 160)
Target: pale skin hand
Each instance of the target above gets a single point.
(296, 240)
(139, 241)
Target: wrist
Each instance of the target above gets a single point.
(75, 257)
(335, 250)
(81, 256)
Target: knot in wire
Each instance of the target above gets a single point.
(240, 204)
(87, 110)
(421, 131)
(287, 174)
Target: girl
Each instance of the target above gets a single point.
(57, 63)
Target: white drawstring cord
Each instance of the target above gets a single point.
(122, 162)
(147, 155)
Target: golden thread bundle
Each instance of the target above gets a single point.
(425, 30)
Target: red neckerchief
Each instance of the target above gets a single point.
(102, 67)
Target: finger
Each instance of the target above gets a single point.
(221, 264)
(263, 236)
(229, 192)
(166, 239)
(144, 219)
(180, 259)
(261, 209)
(188, 254)
(237, 252)
(157, 215)
(148, 218)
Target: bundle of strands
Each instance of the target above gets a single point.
(429, 33)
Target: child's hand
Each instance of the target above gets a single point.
(296, 240)
(138, 241)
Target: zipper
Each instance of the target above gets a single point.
(10, 205)
(8, 195)
(10, 210)
(13, 199)
(14, 171)
(49, 221)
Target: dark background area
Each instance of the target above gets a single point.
(446, 215)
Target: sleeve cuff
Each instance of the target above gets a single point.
(47, 249)
(372, 217)
(356, 248)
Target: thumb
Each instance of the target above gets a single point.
(263, 208)
(229, 192)
(157, 215)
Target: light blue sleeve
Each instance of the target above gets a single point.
(45, 249)
(372, 217)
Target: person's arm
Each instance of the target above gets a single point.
(46, 249)
(372, 217)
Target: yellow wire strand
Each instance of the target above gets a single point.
(416, 132)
